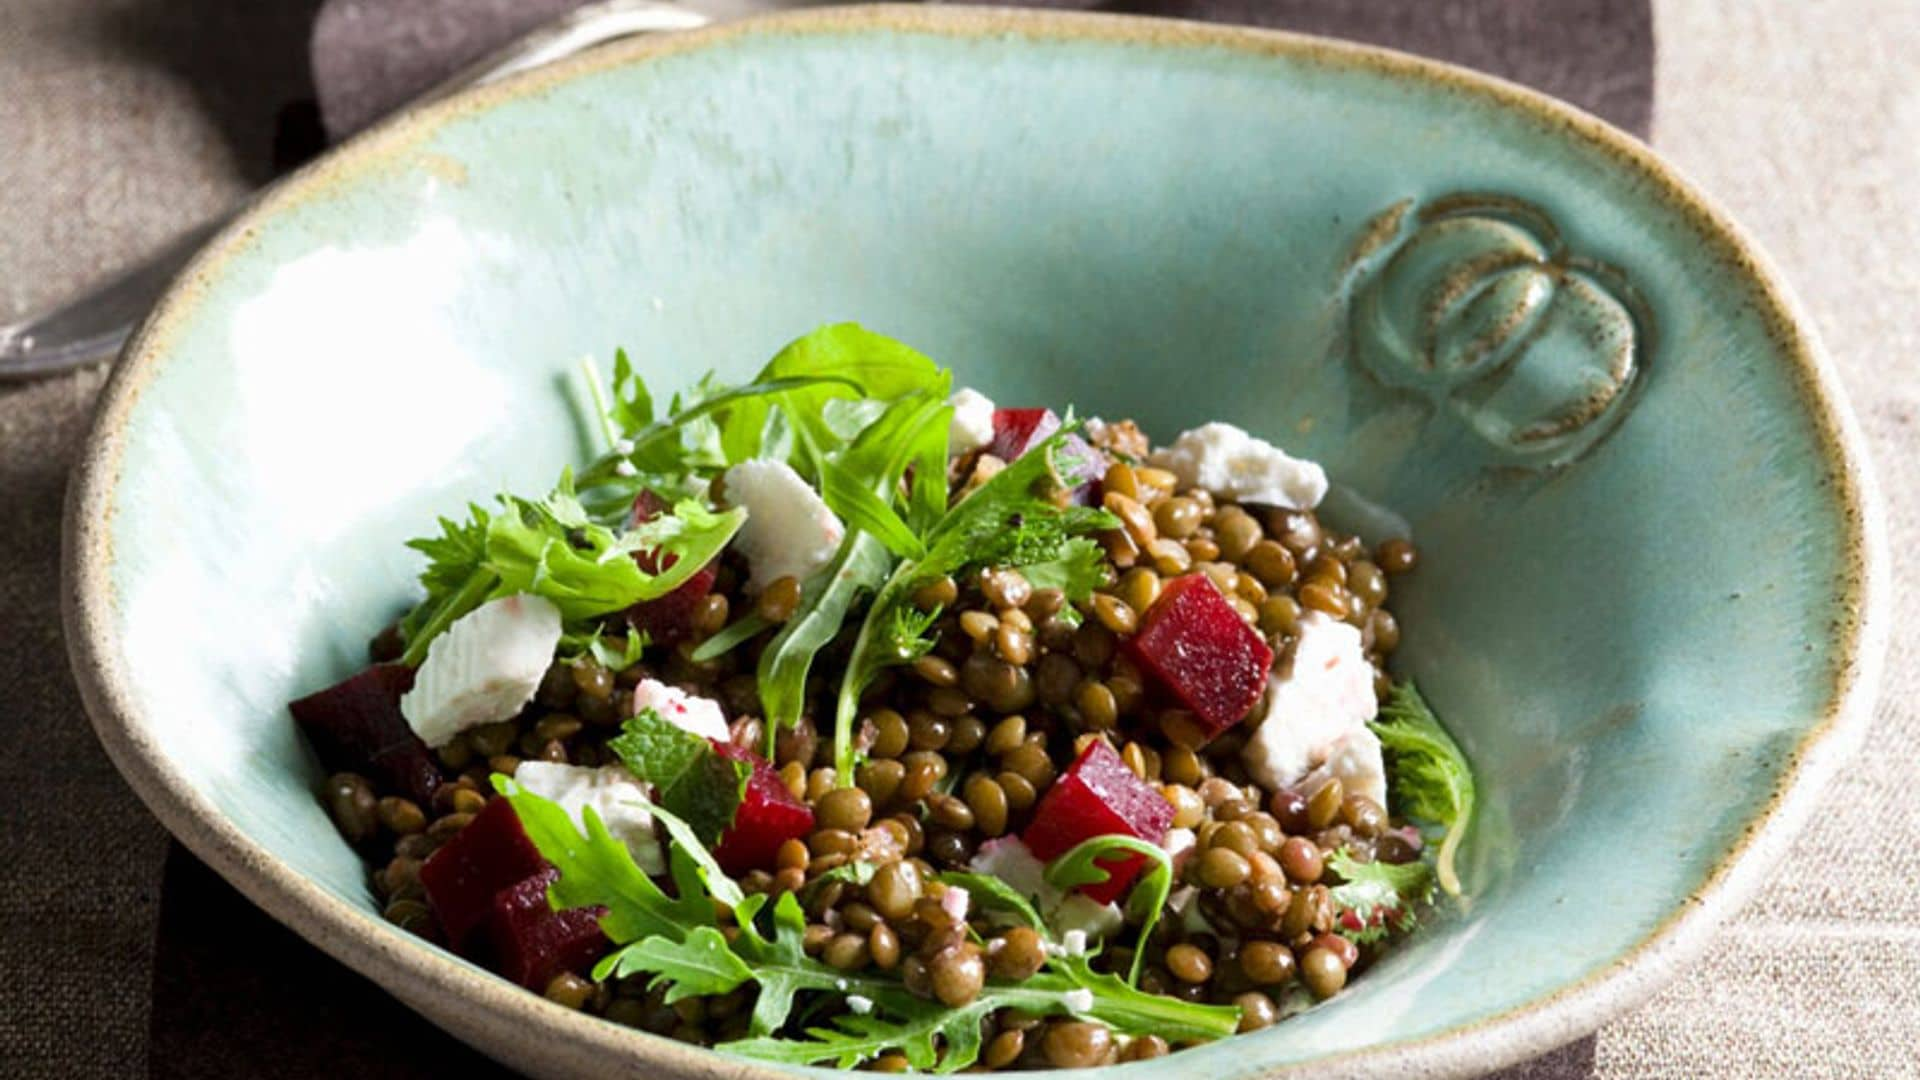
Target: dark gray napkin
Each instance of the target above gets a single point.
(237, 995)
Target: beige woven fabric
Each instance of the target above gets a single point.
(1803, 118)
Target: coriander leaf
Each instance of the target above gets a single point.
(693, 782)
(1081, 866)
(595, 868)
(1006, 522)
(1373, 887)
(1077, 569)
(700, 965)
(1432, 780)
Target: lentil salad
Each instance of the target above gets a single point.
(840, 718)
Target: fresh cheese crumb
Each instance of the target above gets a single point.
(484, 669)
(623, 467)
(972, 426)
(1230, 463)
(701, 716)
(789, 532)
(955, 902)
(615, 795)
(860, 1004)
(1074, 943)
(1317, 707)
(1078, 1001)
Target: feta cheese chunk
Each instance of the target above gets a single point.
(614, 794)
(1317, 707)
(789, 531)
(688, 712)
(1230, 463)
(484, 669)
(1009, 859)
(972, 426)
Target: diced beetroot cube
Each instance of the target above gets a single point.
(1099, 796)
(1015, 431)
(356, 726)
(1200, 650)
(532, 943)
(669, 619)
(461, 878)
(769, 815)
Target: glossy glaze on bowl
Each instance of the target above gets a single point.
(1652, 556)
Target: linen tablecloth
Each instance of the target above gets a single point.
(123, 120)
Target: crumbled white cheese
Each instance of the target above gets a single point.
(1178, 843)
(1079, 913)
(972, 426)
(1185, 906)
(623, 467)
(1317, 706)
(701, 716)
(1078, 1001)
(1073, 943)
(614, 794)
(623, 447)
(1228, 462)
(859, 1004)
(484, 669)
(1067, 913)
(955, 902)
(789, 532)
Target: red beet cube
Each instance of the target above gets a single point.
(769, 815)
(356, 726)
(669, 619)
(1015, 431)
(1099, 796)
(532, 943)
(1202, 653)
(461, 878)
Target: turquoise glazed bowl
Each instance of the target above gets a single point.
(1650, 596)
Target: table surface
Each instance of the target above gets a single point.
(1803, 119)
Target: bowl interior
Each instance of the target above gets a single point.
(1632, 622)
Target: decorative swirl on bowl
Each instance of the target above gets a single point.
(1474, 302)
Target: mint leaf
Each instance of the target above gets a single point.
(691, 780)
(1431, 778)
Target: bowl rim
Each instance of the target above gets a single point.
(468, 995)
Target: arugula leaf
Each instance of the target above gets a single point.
(554, 548)
(876, 459)
(876, 367)
(632, 407)
(923, 1029)
(1080, 866)
(860, 508)
(616, 655)
(1432, 780)
(991, 892)
(694, 783)
(700, 965)
(596, 868)
(713, 879)
(1373, 886)
(732, 636)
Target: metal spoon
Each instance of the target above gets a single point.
(95, 324)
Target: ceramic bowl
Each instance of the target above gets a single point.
(1651, 561)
